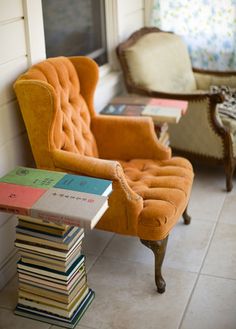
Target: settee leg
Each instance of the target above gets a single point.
(186, 217)
(229, 171)
(159, 250)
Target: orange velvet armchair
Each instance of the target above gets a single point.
(151, 189)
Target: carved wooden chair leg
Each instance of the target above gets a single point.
(229, 171)
(186, 217)
(159, 249)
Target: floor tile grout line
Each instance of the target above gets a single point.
(102, 251)
(200, 269)
(197, 279)
(217, 277)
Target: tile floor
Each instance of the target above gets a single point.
(199, 268)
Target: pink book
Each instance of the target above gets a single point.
(183, 105)
(18, 199)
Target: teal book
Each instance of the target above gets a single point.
(85, 184)
(32, 177)
(114, 109)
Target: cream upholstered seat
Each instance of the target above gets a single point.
(157, 64)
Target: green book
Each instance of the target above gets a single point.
(32, 177)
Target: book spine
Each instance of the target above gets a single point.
(14, 210)
(44, 242)
(59, 219)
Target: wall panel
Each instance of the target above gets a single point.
(7, 238)
(13, 122)
(127, 7)
(13, 44)
(131, 23)
(11, 9)
(9, 73)
(15, 152)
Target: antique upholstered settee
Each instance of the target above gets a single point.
(157, 64)
(151, 189)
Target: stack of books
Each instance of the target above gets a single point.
(162, 133)
(52, 277)
(53, 208)
(161, 110)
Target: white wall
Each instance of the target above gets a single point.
(130, 17)
(14, 146)
(22, 43)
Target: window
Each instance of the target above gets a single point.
(75, 27)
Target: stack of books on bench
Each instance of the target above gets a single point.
(52, 274)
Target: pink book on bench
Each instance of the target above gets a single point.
(18, 198)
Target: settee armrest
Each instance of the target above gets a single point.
(195, 95)
(126, 138)
(206, 78)
(94, 167)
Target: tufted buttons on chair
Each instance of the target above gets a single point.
(163, 185)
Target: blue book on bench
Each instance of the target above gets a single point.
(85, 184)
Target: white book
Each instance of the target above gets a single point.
(70, 207)
(162, 113)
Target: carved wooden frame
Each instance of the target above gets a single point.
(228, 160)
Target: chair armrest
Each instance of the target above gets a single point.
(85, 165)
(206, 78)
(94, 167)
(126, 138)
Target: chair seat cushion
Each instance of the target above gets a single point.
(165, 187)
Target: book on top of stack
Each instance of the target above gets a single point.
(159, 109)
(51, 270)
(55, 196)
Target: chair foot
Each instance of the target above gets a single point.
(159, 250)
(229, 172)
(186, 217)
(229, 183)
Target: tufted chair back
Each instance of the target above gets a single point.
(62, 108)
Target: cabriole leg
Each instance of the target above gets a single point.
(159, 250)
(186, 217)
(229, 171)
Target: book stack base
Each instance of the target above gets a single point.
(51, 272)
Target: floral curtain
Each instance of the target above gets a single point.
(207, 26)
